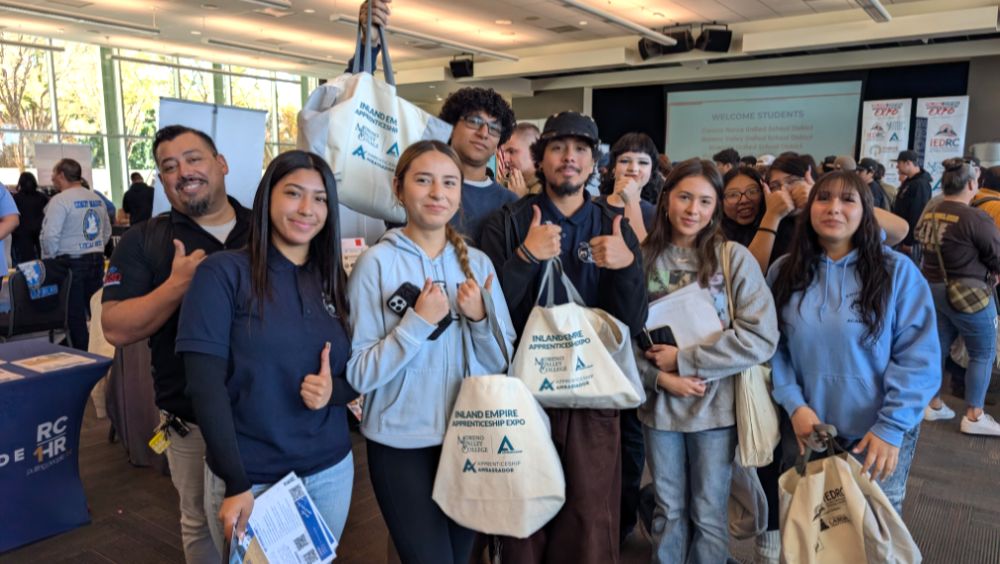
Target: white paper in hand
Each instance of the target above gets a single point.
(690, 313)
(284, 528)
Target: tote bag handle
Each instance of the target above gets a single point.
(390, 77)
(491, 318)
(554, 268)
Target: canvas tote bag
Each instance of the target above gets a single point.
(832, 514)
(499, 471)
(360, 126)
(574, 356)
(756, 417)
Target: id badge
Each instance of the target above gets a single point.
(159, 442)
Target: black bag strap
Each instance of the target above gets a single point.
(821, 439)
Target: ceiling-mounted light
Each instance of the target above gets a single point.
(272, 52)
(279, 4)
(77, 18)
(461, 47)
(875, 10)
(641, 30)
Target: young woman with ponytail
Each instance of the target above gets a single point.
(410, 292)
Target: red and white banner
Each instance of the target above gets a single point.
(944, 121)
(885, 131)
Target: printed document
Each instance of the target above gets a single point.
(690, 314)
(284, 528)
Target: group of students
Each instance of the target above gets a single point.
(275, 338)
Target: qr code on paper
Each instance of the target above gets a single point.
(297, 492)
(310, 557)
(301, 542)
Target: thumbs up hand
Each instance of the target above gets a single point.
(610, 251)
(317, 388)
(543, 241)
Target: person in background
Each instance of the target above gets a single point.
(108, 204)
(31, 203)
(138, 200)
(867, 169)
(408, 361)
(828, 164)
(599, 253)
(845, 162)
(726, 160)
(912, 197)
(890, 189)
(521, 177)
(968, 242)
(264, 336)
(743, 205)
(10, 219)
(859, 347)
(75, 229)
(748, 160)
(688, 419)
(482, 121)
(631, 185)
(150, 271)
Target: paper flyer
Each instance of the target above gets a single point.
(284, 528)
(52, 362)
(350, 250)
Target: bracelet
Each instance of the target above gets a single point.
(527, 254)
(768, 230)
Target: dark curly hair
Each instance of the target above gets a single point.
(465, 101)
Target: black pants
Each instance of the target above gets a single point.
(24, 247)
(633, 461)
(403, 480)
(88, 274)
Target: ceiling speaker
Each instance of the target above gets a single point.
(714, 39)
(461, 68)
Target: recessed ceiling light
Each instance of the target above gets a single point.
(503, 22)
(583, 22)
(195, 32)
(308, 11)
(431, 86)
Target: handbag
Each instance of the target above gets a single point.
(756, 417)
(832, 513)
(499, 471)
(965, 295)
(573, 356)
(360, 126)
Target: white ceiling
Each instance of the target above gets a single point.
(306, 29)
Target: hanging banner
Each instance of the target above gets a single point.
(885, 131)
(942, 122)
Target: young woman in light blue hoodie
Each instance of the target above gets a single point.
(859, 346)
(408, 362)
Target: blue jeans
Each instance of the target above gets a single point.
(691, 477)
(329, 489)
(979, 330)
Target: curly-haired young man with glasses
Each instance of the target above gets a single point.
(483, 120)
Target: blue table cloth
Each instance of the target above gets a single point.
(40, 416)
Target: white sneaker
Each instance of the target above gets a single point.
(985, 425)
(944, 412)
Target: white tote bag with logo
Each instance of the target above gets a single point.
(574, 356)
(499, 472)
(832, 514)
(361, 126)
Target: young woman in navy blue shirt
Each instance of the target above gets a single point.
(264, 336)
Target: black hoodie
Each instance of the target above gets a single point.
(912, 197)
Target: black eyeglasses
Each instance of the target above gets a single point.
(734, 196)
(475, 123)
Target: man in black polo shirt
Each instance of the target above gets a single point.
(600, 254)
(149, 273)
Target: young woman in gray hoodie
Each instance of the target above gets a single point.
(688, 418)
(407, 352)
